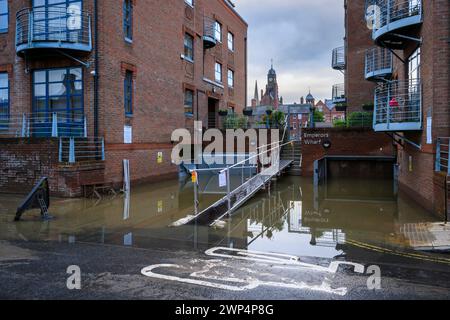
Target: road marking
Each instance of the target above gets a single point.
(208, 273)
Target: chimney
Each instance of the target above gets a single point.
(302, 100)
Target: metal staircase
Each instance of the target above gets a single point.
(293, 152)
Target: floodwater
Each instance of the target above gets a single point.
(291, 217)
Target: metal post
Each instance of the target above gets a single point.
(103, 149)
(54, 125)
(60, 150)
(24, 125)
(438, 155)
(85, 127)
(448, 157)
(388, 106)
(196, 193)
(228, 190)
(72, 151)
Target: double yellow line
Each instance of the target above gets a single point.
(393, 252)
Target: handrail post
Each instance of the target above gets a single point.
(438, 155)
(228, 191)
(388, 106)
(24, 125)
(54, 125)
(72, 151)
(85, 127)
(60, 150)
(448, 156)
(103, 149)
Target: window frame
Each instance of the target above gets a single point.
(218, 71)
(188, 114)
(186, 48)
(128, 20)
(230, 72)
(69, 110)
(190, 3)
(232, 41)
(218, 31)
(128, 93)
(7, 105)
(5, 14)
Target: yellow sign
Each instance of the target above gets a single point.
(194, 177)
(160, 157)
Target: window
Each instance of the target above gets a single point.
(189, 2)
(230, 41)
(128, 19)
(218, 72)
(188, 102)
(47, 18)
(3, 16)
(4, 96)
(58, 91)
(230, 78)
(188, 47)
(414, 66)
(218, 31)
(128, 93)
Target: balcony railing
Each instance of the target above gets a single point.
(74, 150)
(53, 28)
(398, 106)
(379, 63)
(43, 125)
(339, 93)
(209, 33)
(392, 17)
(338, 59)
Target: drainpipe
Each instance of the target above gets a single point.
(96, 76)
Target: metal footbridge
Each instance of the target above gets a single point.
(235, 198)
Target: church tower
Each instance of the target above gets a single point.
(271, 97)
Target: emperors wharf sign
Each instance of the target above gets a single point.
(315, 138)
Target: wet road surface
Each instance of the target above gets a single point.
(126, 251)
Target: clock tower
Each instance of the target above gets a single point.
(270, 97)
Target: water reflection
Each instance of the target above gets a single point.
(293, 217)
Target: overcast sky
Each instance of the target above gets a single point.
(299, 35)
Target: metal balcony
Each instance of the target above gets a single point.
(338, 60)
(398, 106)
(52, 28)
(379, 64)
(339, 93)
(395, 22)
(209, 33)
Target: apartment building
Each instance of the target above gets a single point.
(86, 84)
(410, 62)
(350, 60)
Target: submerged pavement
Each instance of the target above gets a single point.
(38, 270)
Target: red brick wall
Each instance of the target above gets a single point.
(23, 162)
(358, 38)
(420, 182)
(344, 142)
(160, 76)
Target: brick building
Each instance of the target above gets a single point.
(111, 81)
(411, 63)
(350, 59)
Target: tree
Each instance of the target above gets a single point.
(319, 116)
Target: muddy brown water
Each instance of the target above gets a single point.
(293, 217)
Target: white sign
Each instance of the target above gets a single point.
(222, 179)
(128, 134)
(429, 130)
